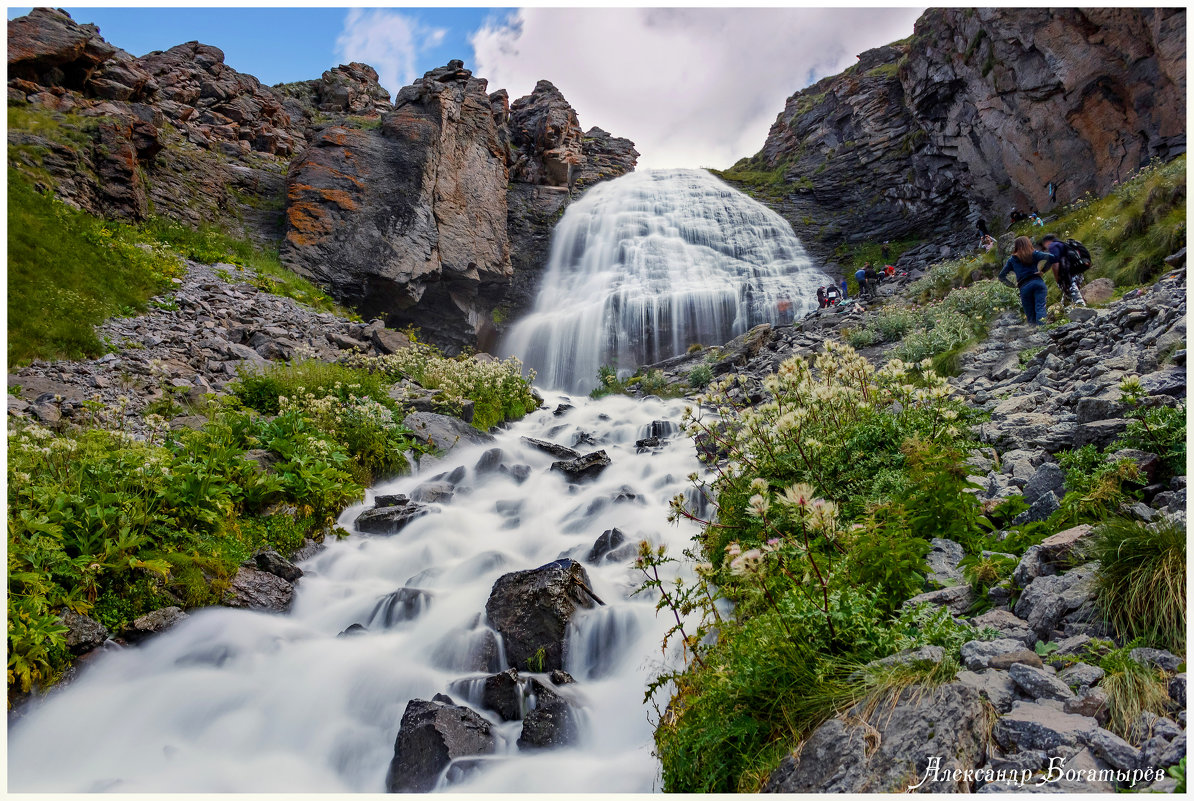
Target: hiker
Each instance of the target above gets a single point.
(845, 292)
(1036, 219)
(784, 310)
(886, 252)
(820, 297)
(988, 243)
(860, 277)
(872, 280)
(1067, 279)
(981, 225)
(889, 270)
(1023, 262)
(832, 295)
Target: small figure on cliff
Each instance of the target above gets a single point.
(1036, 219)
(832, 295)
(988, 243)
(1023, 263)
(981, 225)
(860, 277)
(886, 251)
(1067, 278)
(1018, 216)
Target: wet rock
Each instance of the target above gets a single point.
(583, 468)
(431, 736)
(893, 746)
(388, 520)
(256, 589)
(607, 545)
(518, 472)
(552, 723)
(559, 451)
(490, 460)
(83, 634)
(433, 492)
(443, 432)
(155, 622)
(1038, 684)
(559, 677)
(398, 499)
(272, 562)
(502, 693)
(404, 604)
(563, 409)
(531, 610)
(309, 548)
(355, 630)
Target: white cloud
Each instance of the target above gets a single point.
(387, 41)
(691, 86)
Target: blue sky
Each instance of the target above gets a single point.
(692, 87)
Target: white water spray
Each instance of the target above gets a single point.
(649, 263)
(238, 701)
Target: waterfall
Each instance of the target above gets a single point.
(650, 263)
(232, 700)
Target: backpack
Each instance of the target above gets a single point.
(1077, 257)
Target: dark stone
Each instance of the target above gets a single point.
(154, 622)
(518, 472)
(432, 735)
(531, 610)
(272, 562)
(389, 520)
(585, 467)
(490, 460)
(552, 723)
(559, 451)
(609, 541)
(502, 694)
(83, 634)
(443, 432)
(563, 409)
(256, 589)
(354, 630)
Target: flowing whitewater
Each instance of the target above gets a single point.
(233, 700)
(648, 264)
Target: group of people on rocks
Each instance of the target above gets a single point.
(1024, 262)
(868, 279)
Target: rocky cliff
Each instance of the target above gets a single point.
(976, 114)
(434, 210)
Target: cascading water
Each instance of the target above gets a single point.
(233, 700)
(648, 264)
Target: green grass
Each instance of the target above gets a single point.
(1132, 688)
(760, 178)
(68, 272)
(1142, 581)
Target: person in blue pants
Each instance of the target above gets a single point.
(845, 294)
(1024, 263)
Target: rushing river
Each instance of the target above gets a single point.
(240, 701)
(650, 263)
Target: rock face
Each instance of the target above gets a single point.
(976, 114)
(531, 610)
(432, 734)
(411, 219)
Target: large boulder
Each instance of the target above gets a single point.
(432, 734)
(888, 750)
(531, 610)
(255, 589)
(443, 432)
(584, 467)
(391, 519)
(1049, 599)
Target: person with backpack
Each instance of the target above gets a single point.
(820, 297)
(845, 290)
(832, 295)
(1067, 270)
(860, 277)
(1023, 263)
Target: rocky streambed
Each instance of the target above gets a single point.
(481, 616)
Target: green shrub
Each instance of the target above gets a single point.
(700, 376)
(1142, 580)
(1132, 687)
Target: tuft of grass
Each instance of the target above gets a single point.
(1132, 687)
(759, 177)
(1142, 580)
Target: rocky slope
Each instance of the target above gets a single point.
(1040, 712)
(434, 210)
(976, 114)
